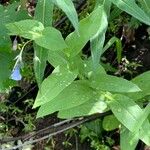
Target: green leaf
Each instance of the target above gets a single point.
(119, 50)
(35, 30)
(51, 39)
(89, 25)
(68, 7)
(133, 9)
(142, 81)
(7, 15)
(30, 29)
(110, 123)
(115, 13)
(126, 141)
(40, 57)
(57, 58)
(53, 85)
(44, 14)
(145, 5)
(113, 84)
(75, 94)
(143, 118)
(88, 69)
(129, 114)
(97, 41)
(110, 43)
(95, 126)
(95, 105)
(5, 42)
(6, 58)
(118, 47)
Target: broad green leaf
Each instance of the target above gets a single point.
(143, 118)
(88, 69)
(53, 85)
(143, 83)
(57, 58)
(129, 114)
(68, 7)
(75, 94)
(30, 29)
(95, 105)
(51, 39)
(87, 29)
(126, 141)
(113, 84)
(44, 14)
(110, 123)
(133, 9)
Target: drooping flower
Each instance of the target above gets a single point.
(16, 75)
(15, 42)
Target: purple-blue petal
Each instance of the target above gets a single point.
(16, 74)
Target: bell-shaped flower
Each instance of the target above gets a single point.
(16, 75)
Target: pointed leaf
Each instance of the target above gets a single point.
(129, 114)
(126, 141)
(145, 5)
(44, 14)
(40, 57)
(30, 29)
(89, 25)
(88, 108)
(143, 118)
(142, 81)
(53, 85)
(57, 58)
(51, 39)
(68, 7)
(113, 84)
(75, 94)
(97, 41)
(133, 9)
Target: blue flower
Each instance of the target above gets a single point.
(16, 73)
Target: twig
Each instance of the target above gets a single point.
(54, 131)
(42, 131)
(33, 134)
